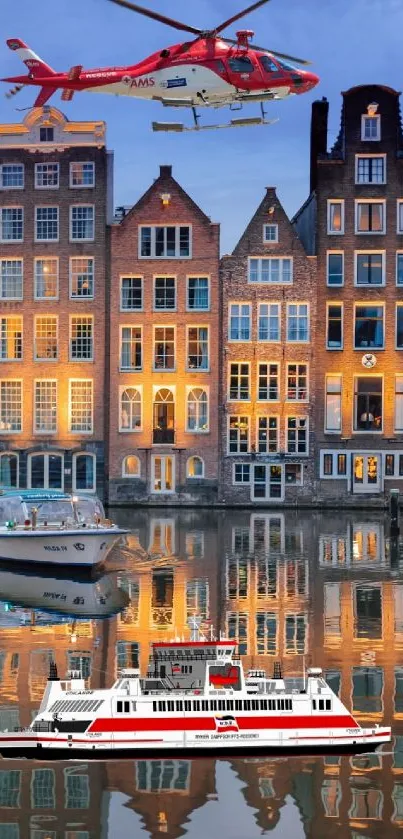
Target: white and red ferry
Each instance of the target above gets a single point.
(195, 699)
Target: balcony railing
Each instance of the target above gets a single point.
(163, 436)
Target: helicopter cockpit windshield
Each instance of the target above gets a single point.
(267, 64)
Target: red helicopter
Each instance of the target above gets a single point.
(209, 71)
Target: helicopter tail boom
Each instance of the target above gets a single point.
(36, 67)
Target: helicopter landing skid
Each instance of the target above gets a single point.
(234, 123)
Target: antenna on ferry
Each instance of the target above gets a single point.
(194, 625)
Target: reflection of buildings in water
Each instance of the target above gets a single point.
(361, 544)
(52, 800)
(163, 792)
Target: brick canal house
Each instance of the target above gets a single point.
(164, 371)
(53, 204)
(353, 222)
(269, 327)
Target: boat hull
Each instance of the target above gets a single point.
(74, 547)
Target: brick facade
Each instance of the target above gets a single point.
(267, 425)
(158, 300)
(359, 428)
(43, 331)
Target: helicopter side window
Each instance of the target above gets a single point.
(241, 64)
(268, 64)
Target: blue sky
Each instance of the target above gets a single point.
(348, 41)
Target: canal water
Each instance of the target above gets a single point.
(305, 589)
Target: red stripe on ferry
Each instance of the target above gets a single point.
(105, 724)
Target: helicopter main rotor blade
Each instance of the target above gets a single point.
(169, 21)
(271, 52)
(239, 15)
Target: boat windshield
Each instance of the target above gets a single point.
(11, 509)
(57, 510)
(90, 507)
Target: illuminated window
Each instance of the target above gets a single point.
(10, 406)
(368, 398)
(164, 348)
(45, 415)
(197, 410)
(81, 337)
(46, 278)
(267, 431)
(238, 435)
(81, 405)
(335, 217)
(333, 403)
(297, 382)
(82, 174)
(131, 466)
(10, 338)
(198, 348)
(130, 409)
(81, 277)
(131, 348)
(195, 467)
(369, 216)
(46, 338)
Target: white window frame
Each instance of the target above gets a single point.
(122, 389)
(21, 383)
(377, 119)
(81, 163)
(197, 369)
(297, 364)
(129, 276)
(371, 252)
(165, 277)
(189, 389)
(397, 455)
(12, 163)
(325, 417)
(74, 471)
(268, 401)
(8, 452)
(195, 477)
(329, 253)
(124, 473)
(47, 207)
(240, 483)
(397, 307)
(382, 202)
(273, 227)
(35, 354)
(335, 455)
(13, 259)
(298, 303)
(238, 453)
(259, 315)
(298, 417)
(239, 303)
(331, 201)
(39, 431)
(12, 316)
(398, 254)
(46, 455)
(280, 258)
(177, 254)
(90, 319)
(396, 429)
(198, 277)
(330, 303)
(80, 431)
(399, 212)
(72, 260)
(357, 431)
(11, 207)
(359, 157)
(83, 239)
(163, 457)
(47, 163)
(229, 397)
(123, 326)
(164, 369)
(377, 304)
(278, 423)
(42, 259)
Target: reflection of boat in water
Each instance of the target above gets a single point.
(85, 597)
(48, 526)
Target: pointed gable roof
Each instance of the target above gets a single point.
(166, 183)
(269, 211)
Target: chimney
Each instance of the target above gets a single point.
(165, 171)
(320, 112)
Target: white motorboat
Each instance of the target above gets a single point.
(47, 526)
(195, 699)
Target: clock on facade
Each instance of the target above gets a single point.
(368, 360)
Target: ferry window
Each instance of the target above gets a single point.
(188, 705)
(268, 64)
(213, 704)
(179, 706)
(154, 706)
(314, 704)
(264, 705)
(246, 705)
(282, 704)
(134, 706)
(161, 706)
(328, 704)
(255, 705)
(221, 705)
(230, 704)
(184, 668)
(204, 705)
(321, 704)
(190, 668)
(241, 64)
(171, 705)
(196, 705)
(119, 707)
(238, 705)
(127, 707)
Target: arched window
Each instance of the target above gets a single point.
(164, 416)
(8, 469)
(84, 471)
(130, 409)
(195, 467)
(197, 410)
(131, 466)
